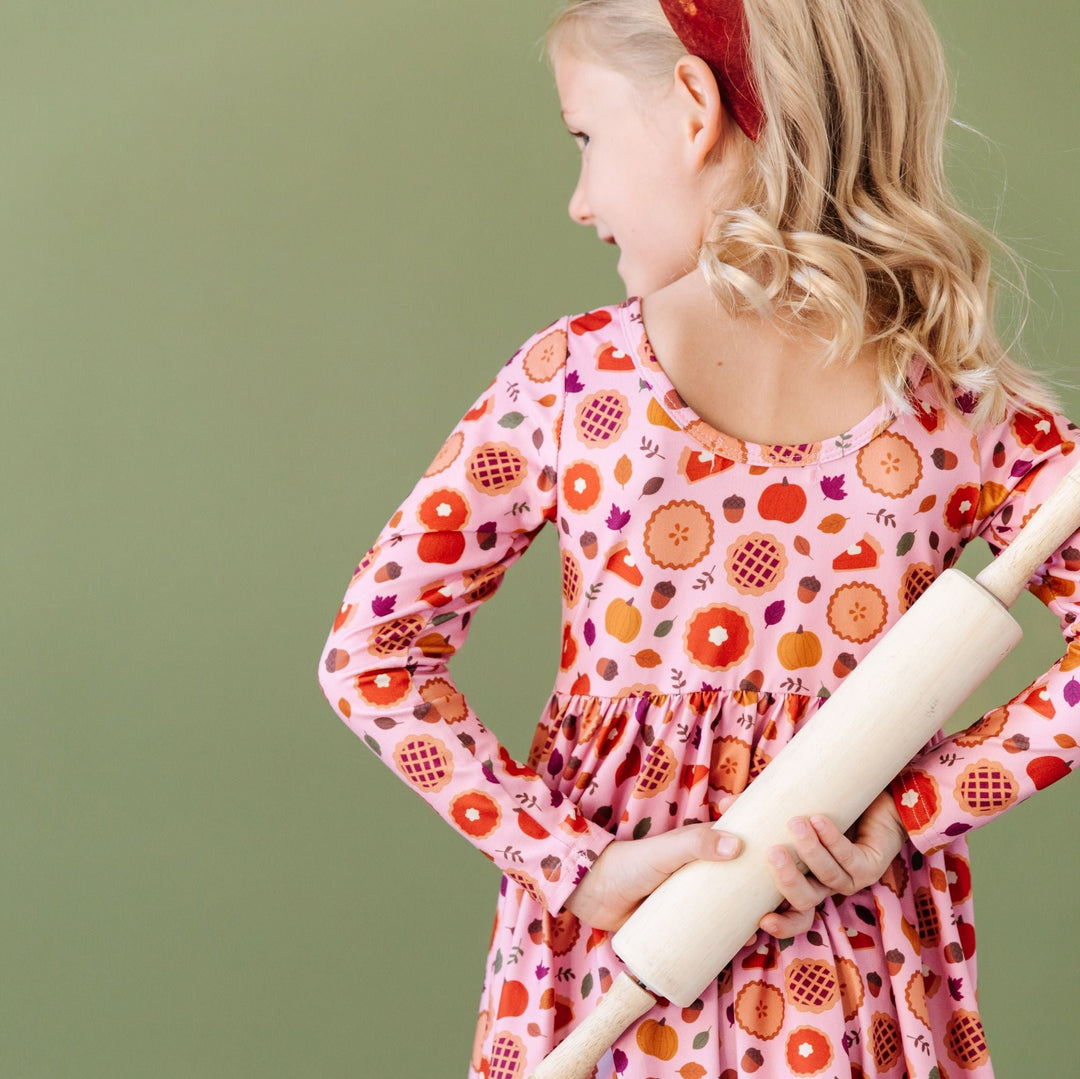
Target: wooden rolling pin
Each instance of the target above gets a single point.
(844, 756)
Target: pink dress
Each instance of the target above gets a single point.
(714, 592)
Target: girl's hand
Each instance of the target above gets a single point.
(836, 864)
(629, 870)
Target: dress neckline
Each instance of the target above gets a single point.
(727, 446)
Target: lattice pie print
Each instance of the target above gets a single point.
(755, 564)
(965, 1040)
(507, 1057)
(495, 468)
(601, 419)
(985, 788)
(812, 985)
(424, 761)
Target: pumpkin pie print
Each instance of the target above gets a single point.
(729, 768)
(718, 636)
(857, 612)
(444, 509)
(755, 563)
(446, 702)
(582, 486)
(679, 534)
(808, 1051)
(919, 801)
(759, 1010)
(915, 998)
(852, 990)
(601, 418)
(890, 465)
(546, 358)
(962, 507)
(447, 455)
(383, 689)
(477, 814)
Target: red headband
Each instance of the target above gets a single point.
(716, 31)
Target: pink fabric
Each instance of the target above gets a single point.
(713, 593)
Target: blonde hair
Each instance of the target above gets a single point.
(847, 214)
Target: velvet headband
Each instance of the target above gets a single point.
(716, 31)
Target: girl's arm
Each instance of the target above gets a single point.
(474, 512)
(1029, 743)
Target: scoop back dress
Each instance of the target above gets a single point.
(714, 593)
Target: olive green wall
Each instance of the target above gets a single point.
(256, 258)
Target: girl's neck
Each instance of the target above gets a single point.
(752, 378)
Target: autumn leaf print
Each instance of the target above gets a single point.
(617, 519)
(574, 383)
(833, 487)
(381, 606)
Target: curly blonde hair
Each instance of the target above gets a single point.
(847, 215)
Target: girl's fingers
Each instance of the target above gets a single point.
(802, 893)
(827, 853)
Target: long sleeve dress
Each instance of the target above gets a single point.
(714, 592)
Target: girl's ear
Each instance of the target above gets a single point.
(706, 119)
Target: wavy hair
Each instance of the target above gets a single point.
(847, 215)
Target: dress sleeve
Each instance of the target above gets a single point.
(490, 489)
(1034, 740)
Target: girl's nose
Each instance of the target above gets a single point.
(579, 207)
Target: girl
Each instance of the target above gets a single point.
(755, 465)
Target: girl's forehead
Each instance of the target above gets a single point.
(585, 82)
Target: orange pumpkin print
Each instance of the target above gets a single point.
(857, 612)
(808, 1051)
(718, 636)
(477, 814)
(890, 465)
(656, 1039)
(581, 486)
(679, 534)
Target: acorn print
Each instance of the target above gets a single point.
(809, 587)
(662, 595)
(733, 507)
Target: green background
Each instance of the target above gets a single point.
(257, 257)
